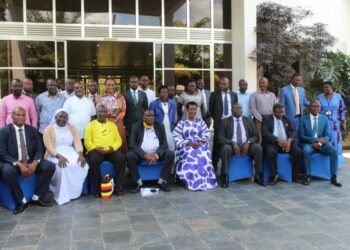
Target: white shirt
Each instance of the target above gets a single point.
(151, 96)
(244, 100)
(19, 141)
(204, 96)
(223, 104)
(79, 112)
(66, 95)
(150, 142)
(275, 128)
(235, 124)
(312, 124)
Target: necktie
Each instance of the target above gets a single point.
(23, 146)
(315, 127)
(94, 99)
(280, 130)
(225, 105)
(134, 97)
(239, 133)
(296, 98)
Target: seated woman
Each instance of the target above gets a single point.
(193, 166)
(64, 149)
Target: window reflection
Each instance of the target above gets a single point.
(123, 12)
(223, 55)
(5, 76)
(175, 13)
(39, 11)
(96, 12)
(175, 77)
(186, 56)
(222, 14)
(150, 12)
(68, 11)
(60, 54)
(39, 78)
(4, 62)
(200, 13)
(11, 10)
(158, 55)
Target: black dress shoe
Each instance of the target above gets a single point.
(163, 186)
(20, 208)
(41, 202)
(224, 181)
(307, 180)
(335, 182)
(259, 180)
(274, 180)
(298, 179)
(135, 188)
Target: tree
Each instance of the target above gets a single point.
(283, 42)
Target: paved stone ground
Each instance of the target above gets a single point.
(244, 216)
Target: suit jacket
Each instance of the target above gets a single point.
(305, 129)
(268, 126)
(136, 138)
(157, 108)
(226, 130)
(216, 106)
(9, 147)
(288, 101)
(134, 113)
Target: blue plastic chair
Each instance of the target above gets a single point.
(241, 167)
(28, 187)
(149, 172)
(105, 168)
(284, 168)
(320, 166)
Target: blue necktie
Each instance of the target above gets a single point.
(225, 105)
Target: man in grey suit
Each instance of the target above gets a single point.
(136, 103)
(206, 96)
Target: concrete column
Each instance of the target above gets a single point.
(244, 42)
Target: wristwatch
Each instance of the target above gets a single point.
(320, 144)
(249, 142)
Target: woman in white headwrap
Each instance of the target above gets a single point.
(64, 148)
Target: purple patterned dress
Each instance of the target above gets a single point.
(193, 166)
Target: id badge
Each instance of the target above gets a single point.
(329, 113)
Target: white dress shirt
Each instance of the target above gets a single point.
(244, 100)
(229, 104)
(235, 124)
(150, 142)
(204, 96)
(19, 141)
(312, 124)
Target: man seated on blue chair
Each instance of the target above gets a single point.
(21, 152)
(314, 137)
(148, 142)
(279, 136)
(238, 136)
(103, 143)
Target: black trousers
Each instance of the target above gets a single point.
(254, 151)
(134, 159)
(44, 170)
(116, 158)
(271, 151)
(216, 149)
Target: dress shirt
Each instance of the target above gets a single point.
(151, 96)
(205, 101)
(312, 124)
(96, 96)
(244, 101)
(46, 106)
(229, 104)
(150, 142)
(103, 135)
(244, 135)
(261, 103)
(275, 128)
(19, 141)
(79, 112)
(10, 102)
(66, 95)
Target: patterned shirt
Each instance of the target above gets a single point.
(46, 106)
(261, 103)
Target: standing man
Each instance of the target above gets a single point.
(28, 88)
(14, 100)
(279, 136)
(69, 92)
(93, 95)
(238, 136)
(205, 96)
(136, 103)
(80, 109)
(261, 104)
(47, 103)
(179, 90)
(144, 82)
(220, 108)
(293, 99)
(244, 97)
(171, 90)
(60, 85)
(314, 137)
(21, 153)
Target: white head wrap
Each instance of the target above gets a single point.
(53, 120)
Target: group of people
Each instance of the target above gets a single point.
(62, 135)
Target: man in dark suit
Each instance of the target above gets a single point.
(206, 97)
(21, 152)
(148, 142)
(238, 136)
(314, 137)
(220, 108)
(279, 136)
(136, 103)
